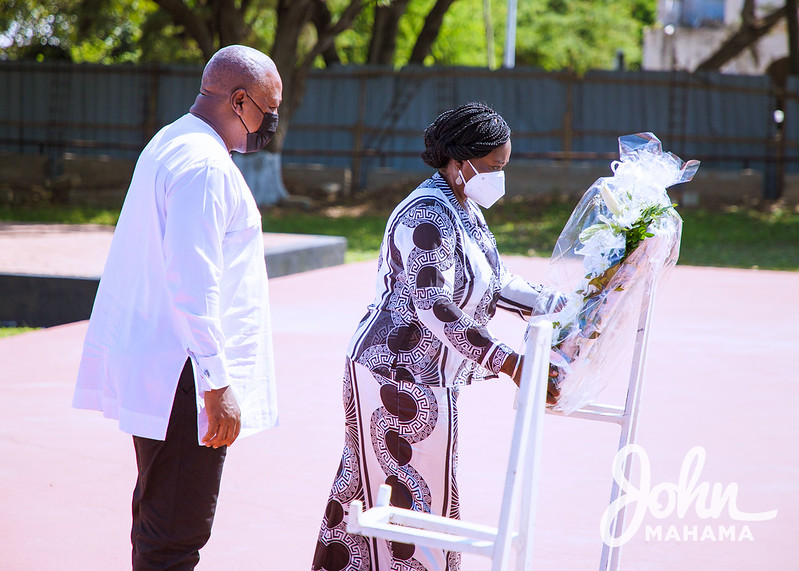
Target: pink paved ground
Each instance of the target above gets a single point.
(722, 374)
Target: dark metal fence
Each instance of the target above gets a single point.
(364, 117)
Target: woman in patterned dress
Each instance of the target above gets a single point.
(439, 281)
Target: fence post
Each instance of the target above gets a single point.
(568, 117)
(150, 111)
(774, 177)
(357, 147)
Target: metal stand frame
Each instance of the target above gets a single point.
(521, 484)
(626, 417)
(521, 480)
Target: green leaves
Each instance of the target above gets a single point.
(639, 230)
(552, 34)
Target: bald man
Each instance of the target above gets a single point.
(179, 347)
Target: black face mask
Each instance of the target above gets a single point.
(260, 138)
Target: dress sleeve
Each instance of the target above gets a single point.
(525, 299)
(197, 213)
(426, 238)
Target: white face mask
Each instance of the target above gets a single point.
(485, 188)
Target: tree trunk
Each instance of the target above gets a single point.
(383, 43)
(194, 26)
(264, 176)
(228, 22)
(751, 30)
(793, 36)
(322, 20)
(429, 33)
(748, 13)
(292, 16)
(491, 58)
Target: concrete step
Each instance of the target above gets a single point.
(49, 272)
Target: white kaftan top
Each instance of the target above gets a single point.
(440, 280)
(185, 277)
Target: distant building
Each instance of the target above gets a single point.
(689, 31)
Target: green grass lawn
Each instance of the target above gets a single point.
(364, 232)
(9, 331)
(741, 238)
(733, 237)
(60, 214)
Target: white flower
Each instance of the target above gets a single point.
(610, 201)
(599, 243)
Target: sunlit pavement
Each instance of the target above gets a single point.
(721, 375)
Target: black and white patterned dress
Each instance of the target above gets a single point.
(439, 281)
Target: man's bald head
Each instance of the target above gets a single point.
(235, 67)
(240, 85)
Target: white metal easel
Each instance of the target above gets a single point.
(626, 417)
(521, 484)
(521, 480)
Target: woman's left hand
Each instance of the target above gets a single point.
(553, 391)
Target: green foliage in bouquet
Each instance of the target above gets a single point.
(633, 235)
(640, 228)
(594, 303)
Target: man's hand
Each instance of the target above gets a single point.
(224, 418)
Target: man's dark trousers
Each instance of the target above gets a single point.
(176, 491)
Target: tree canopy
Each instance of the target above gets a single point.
(302, 34)
(551, 34)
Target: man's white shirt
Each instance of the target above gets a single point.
(185, 278)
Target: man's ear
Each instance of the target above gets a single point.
(237, 101)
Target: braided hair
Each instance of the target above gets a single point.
(470, 131)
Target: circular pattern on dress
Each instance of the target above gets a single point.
(403, 374)
(412, 488)
(377, 358)
(401, 496)
(334, 513)
(429, 210)
(453, 560)
(429, 276)
(337, 556)
(402, 551)
(409, 565)
(458, 333)
(399, 396)
(487, 307)
(399, 448)
(478, 336)
(341, 550)
(404, 338)
(401, 304)
(426, 236)
(399, 403)
(446, 311)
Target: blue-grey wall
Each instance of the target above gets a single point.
(727, 121)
